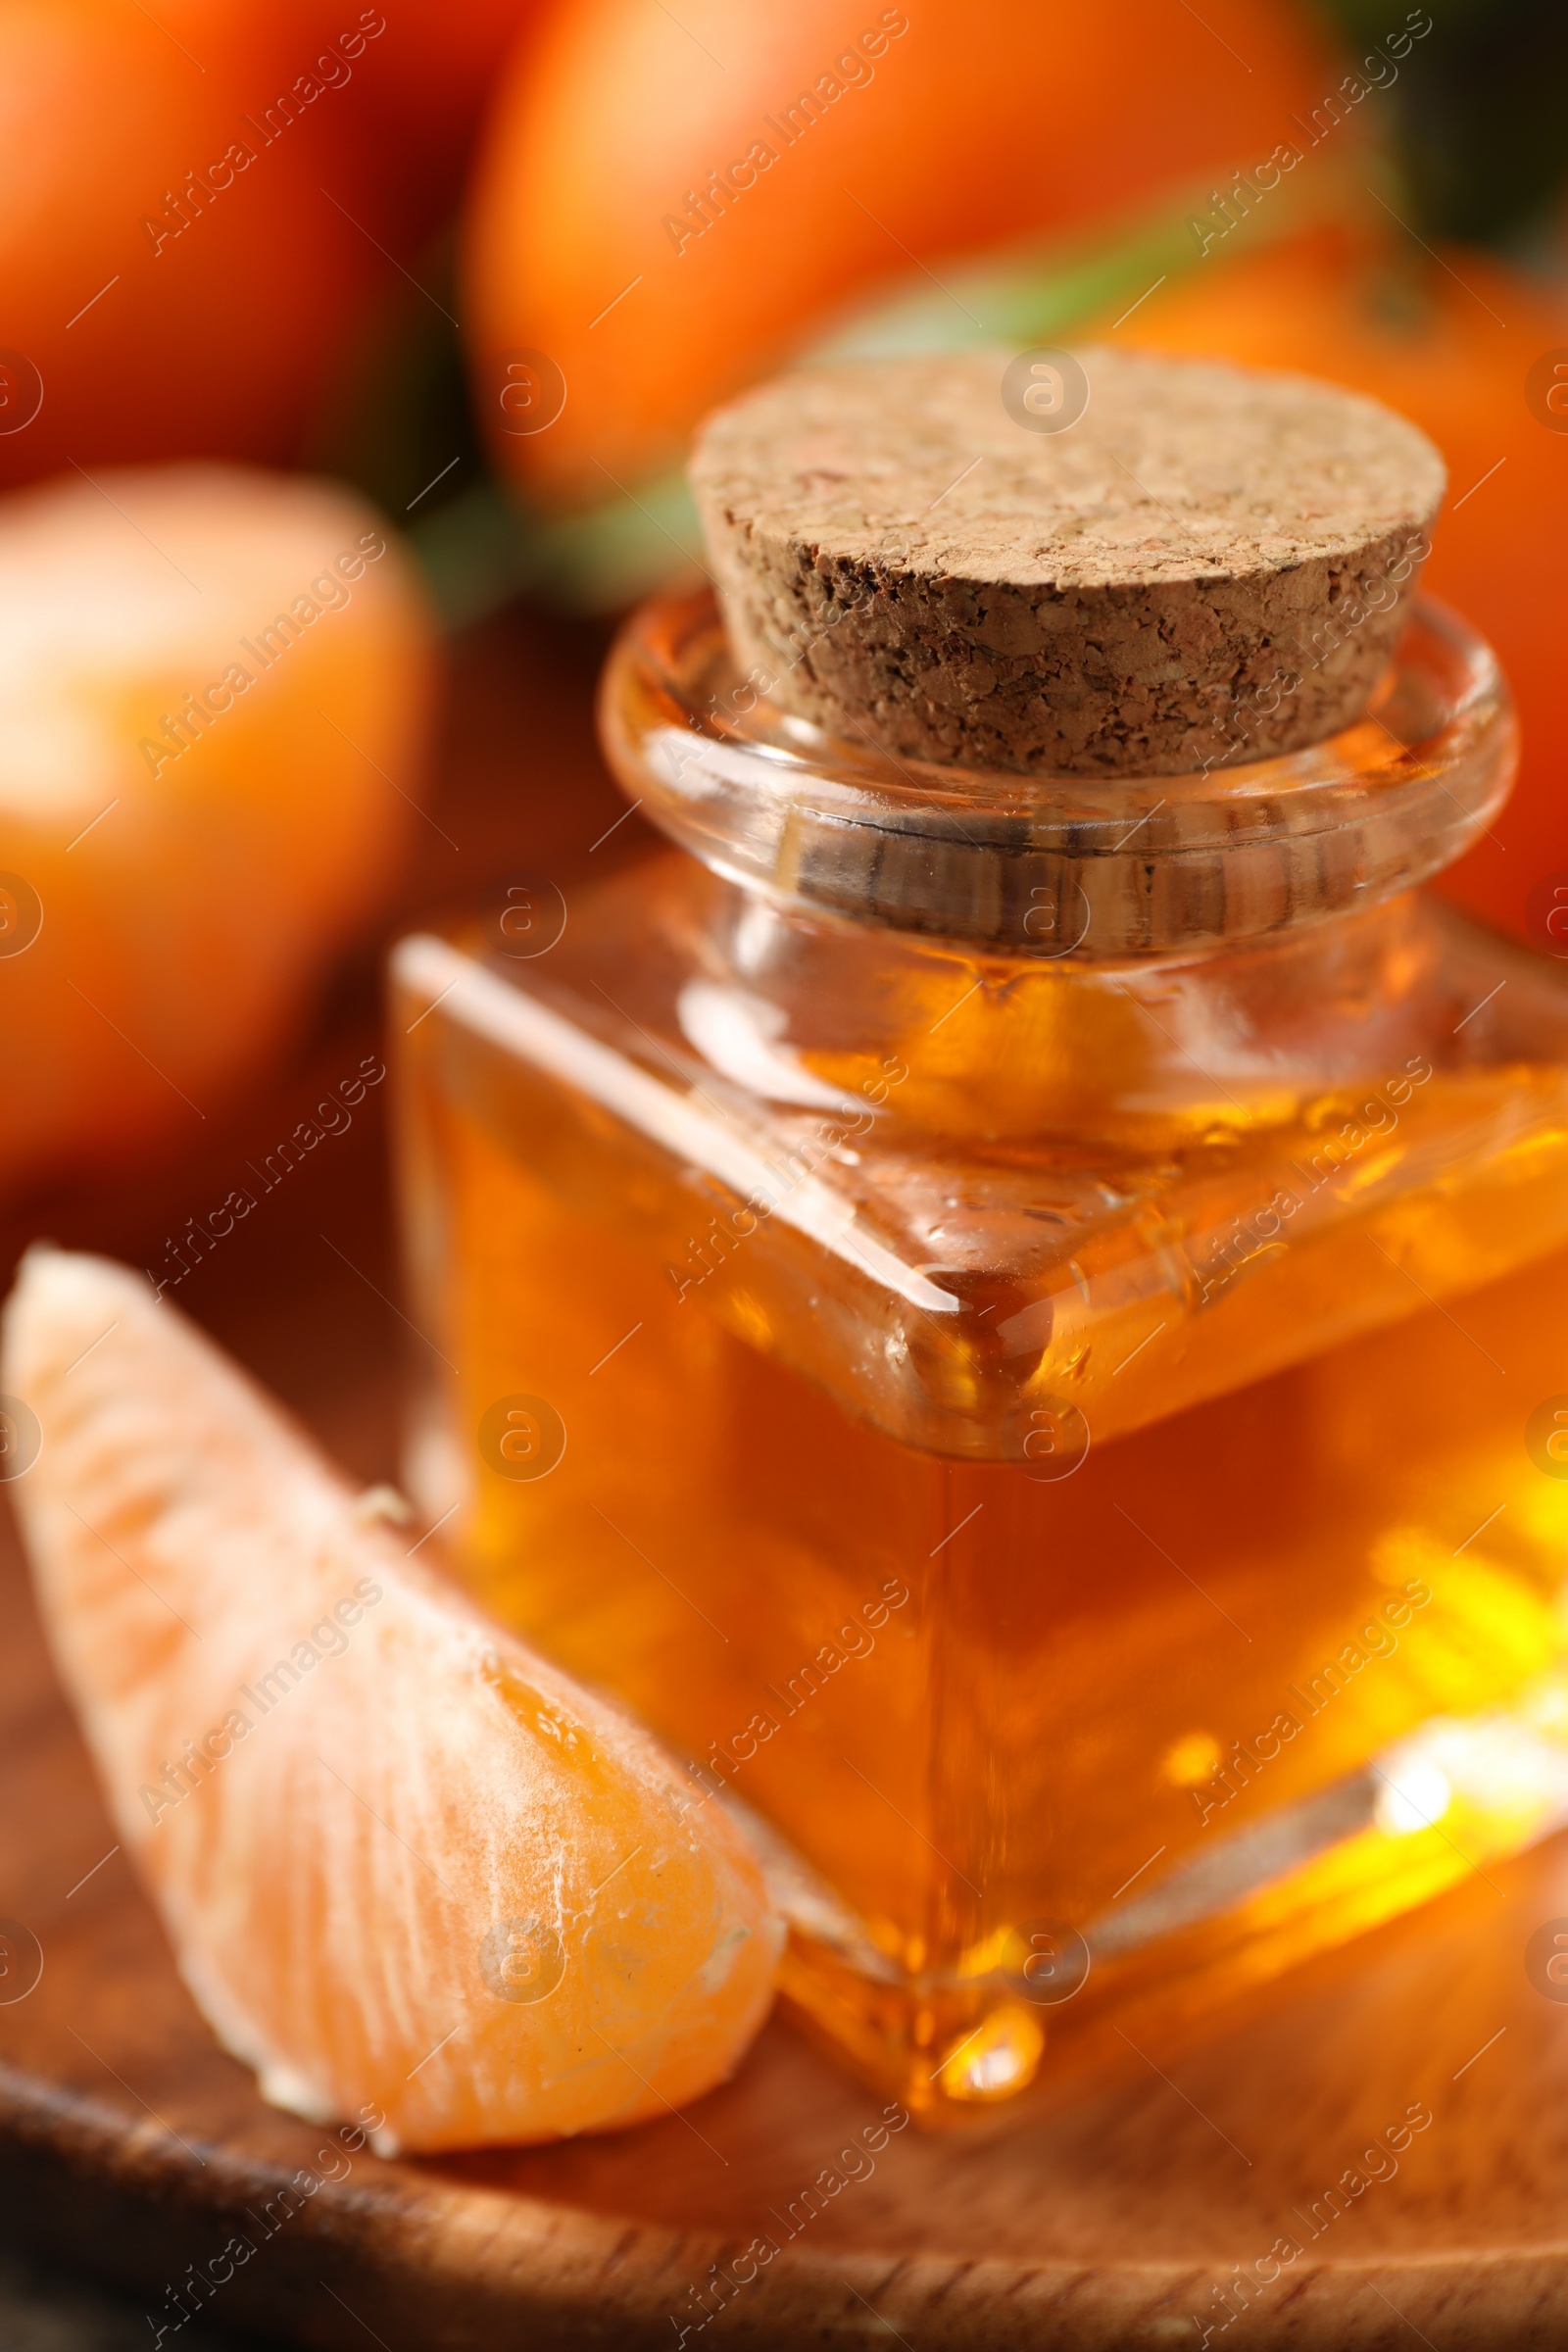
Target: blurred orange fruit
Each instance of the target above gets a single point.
(667, 201)
(1456, 341)
(194, 202)
(214, 688)
(406, 1866)
(431, 74)
(407, 124)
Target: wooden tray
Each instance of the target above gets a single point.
(130, 2144)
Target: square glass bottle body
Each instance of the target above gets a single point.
(1068, 1443)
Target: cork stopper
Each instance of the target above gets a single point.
(1120, 564)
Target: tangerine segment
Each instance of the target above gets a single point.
(402, 1860)
(214, 688)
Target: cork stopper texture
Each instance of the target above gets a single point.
(1207, 567)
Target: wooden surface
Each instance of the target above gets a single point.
(131, 2146)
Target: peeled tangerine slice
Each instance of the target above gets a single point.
(401, 1859)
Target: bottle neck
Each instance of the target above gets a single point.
(1138, 1053)
(1047, 869)
(1143, 962)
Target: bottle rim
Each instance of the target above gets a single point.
(1058, 866)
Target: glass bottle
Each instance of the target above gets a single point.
(1020, 1324)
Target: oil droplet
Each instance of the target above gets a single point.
(996, 2060)
(532, 1710)
(1190, 1760)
